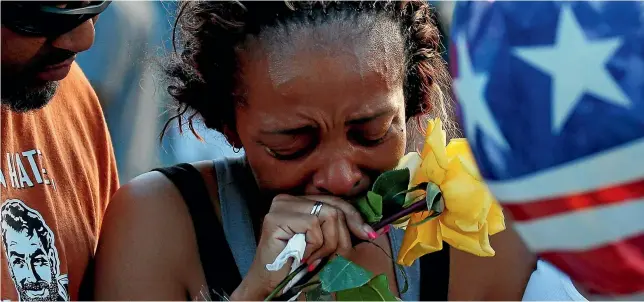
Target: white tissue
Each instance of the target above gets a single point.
(294, 249)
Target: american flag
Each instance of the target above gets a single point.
(551, 98)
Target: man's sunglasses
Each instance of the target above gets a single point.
(45, 19)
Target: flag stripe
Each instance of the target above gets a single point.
(618, 165)
(576, 202)
(634, 297)
(585, 229)
(613, 269)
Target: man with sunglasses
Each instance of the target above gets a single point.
(57, 167)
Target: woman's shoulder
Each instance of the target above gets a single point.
(155, 192)
(148, 234)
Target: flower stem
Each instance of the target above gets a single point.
(286, 280)
(413, 208)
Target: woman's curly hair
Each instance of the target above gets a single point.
(203, 75)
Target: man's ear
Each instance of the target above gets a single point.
(232, 137)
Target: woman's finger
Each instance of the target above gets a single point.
(284, 225)
(353, 218)
(305, 205)
(344, 237)
(329, 225)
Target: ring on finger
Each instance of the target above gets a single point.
(317, 208)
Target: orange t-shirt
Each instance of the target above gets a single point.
(57, 173)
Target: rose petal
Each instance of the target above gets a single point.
(495, 218)
(477, 243)
(430, 170)
(410, 161)
(419, 240)
(435, 142)
(465, 197)
(460, 148)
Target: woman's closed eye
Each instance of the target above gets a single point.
(294, 146)
(370, 137)
(290, 149)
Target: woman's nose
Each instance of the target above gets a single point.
(340, 178)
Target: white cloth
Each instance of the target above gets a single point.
(547, 283)
(294, 249)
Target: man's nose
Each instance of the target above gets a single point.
(34, 274)
(27, 276)
(340, 177)
(78, 39)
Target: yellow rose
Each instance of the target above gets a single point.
(471, 214)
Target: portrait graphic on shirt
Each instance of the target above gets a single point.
(31, 254)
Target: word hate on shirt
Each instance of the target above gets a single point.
(24, 170)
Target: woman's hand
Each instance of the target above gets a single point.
(326, 234)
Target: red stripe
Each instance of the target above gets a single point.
(576, 202)
(613, 269)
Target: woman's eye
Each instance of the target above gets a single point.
(289, 149)
(369, 140)
(287, 155)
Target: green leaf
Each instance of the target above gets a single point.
(370, 206)
(401, 220)
(376, 290)
(390, 183)
(433, 194)
(340, 274)
(419, 187)
(362, 205)
(318, 294)
(375, 202)
(438, 206)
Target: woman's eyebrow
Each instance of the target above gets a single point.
(367, 118)
(289, 131)
(308, 129)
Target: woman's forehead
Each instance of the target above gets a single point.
(364, 43)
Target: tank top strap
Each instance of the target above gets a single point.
(214, 253)
(236, 188)
(412, 272)
(427, 277)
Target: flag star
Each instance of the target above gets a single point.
(469, 88)
(576, 65)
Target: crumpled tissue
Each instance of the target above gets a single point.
(294, 249)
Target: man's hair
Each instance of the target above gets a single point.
(20, 218)
(204, 75)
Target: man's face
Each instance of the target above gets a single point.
(32, 66)
(31, 266)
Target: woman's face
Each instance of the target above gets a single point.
(324, 120)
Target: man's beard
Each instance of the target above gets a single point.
(52, 286)
(21, 91)
(23, 98)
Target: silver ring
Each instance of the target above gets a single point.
(317, 208)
